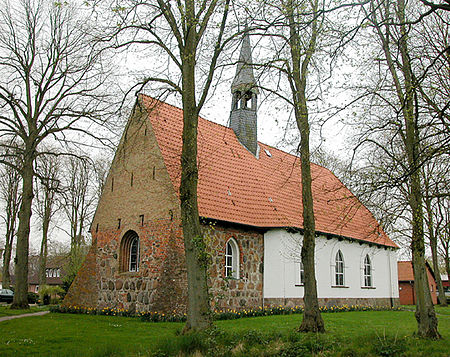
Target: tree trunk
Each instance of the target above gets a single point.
(425, 315)
(23, 233)
(433, 246)
(312, 320)
(447, 266)
(6, 276)
(44, 245)
(199, 314)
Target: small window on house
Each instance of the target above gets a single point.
(129, 252)
(301, 274)
(367, 271)
(339, 269)
(58, 273)
(47, 273)
(232, 259)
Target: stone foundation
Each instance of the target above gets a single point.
(328, 302)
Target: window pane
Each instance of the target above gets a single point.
(229, 250)
(229, 262)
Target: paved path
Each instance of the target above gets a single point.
(5, 318)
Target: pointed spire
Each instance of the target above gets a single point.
(243, 116)
(244, 79)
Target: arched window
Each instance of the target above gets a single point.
(339, 269)
(232, 259)
(129, 252)
(367, 271)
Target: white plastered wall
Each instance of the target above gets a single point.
(281, 267)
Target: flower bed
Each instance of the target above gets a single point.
(153, 316)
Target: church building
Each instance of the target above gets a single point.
(249, 198)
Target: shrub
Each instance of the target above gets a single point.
(32, 298)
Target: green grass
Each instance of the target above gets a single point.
(367, 333)
(6, 311)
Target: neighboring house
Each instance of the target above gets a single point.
(406, 283)
(445, 282)
(249, 199)
(54, 272)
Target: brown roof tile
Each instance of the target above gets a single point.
(235, 186)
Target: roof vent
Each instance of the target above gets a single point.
(270, 199)
(229, 193)
(268, 153)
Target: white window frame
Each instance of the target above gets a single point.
(339, 269)
(232, 259)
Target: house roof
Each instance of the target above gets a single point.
(235, 186)
(406, 272)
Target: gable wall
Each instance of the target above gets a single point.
(137, 184)
(281, 282)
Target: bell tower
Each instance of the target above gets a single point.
(243, 118)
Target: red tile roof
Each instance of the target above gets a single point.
(235, 186)
(406, 272)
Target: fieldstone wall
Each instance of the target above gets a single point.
(328, 302)
(159, 285)
(247, 291)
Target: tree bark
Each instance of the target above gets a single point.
(21, 261)
(199, 313)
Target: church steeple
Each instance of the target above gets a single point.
(243, 118)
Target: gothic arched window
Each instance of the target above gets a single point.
(232, 259)
(129, 252)
(367, 271)
(339, 269)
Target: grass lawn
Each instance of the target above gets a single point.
(366, 333)
(6, 311)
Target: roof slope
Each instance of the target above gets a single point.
(406, 272)
(235, 186)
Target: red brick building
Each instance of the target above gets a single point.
(245, 189)
(406, 283)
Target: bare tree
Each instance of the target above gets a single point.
(48, 171)
(189, 36)
(297, 28)
(11, 196)
(51, 85)
(443, 231)
(401, 132)
(79, 197)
